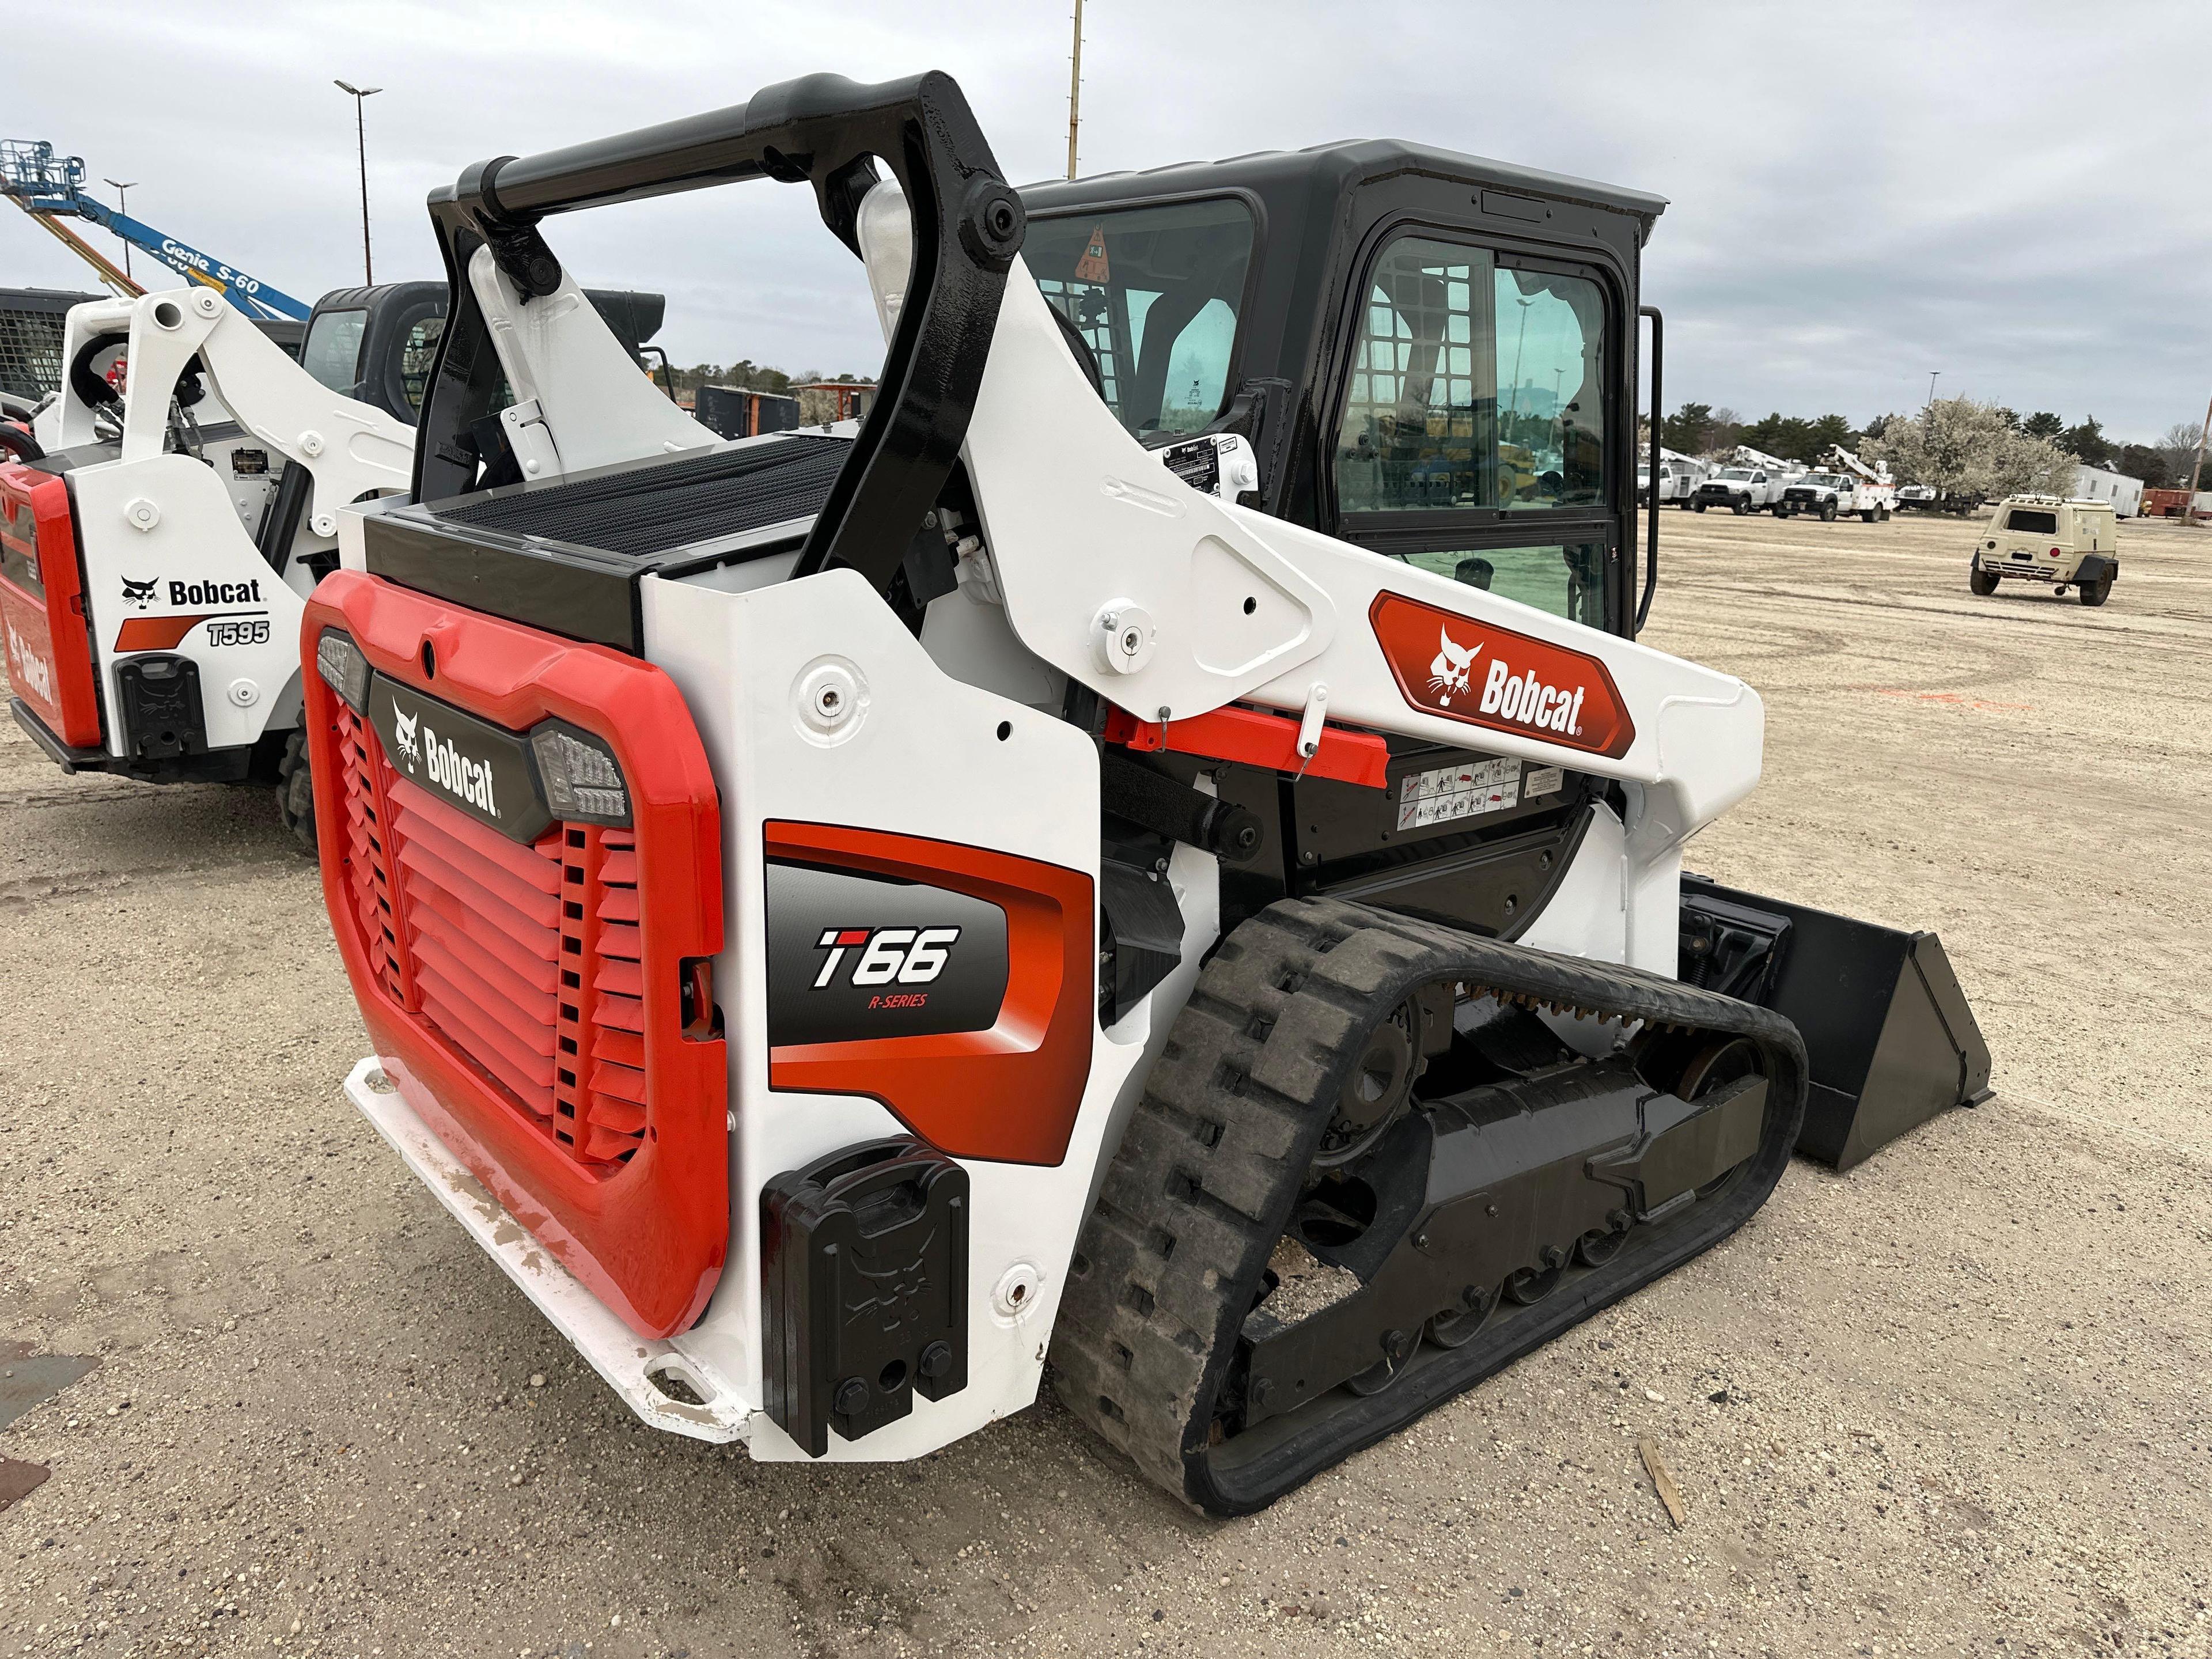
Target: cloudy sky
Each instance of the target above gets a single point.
(2014, 194)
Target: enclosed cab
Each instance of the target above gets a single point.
(2051, 542)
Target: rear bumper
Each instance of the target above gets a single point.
(628, 1362)
(61, 754)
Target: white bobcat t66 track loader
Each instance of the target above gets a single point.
(1159, 856)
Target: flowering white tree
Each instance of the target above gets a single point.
(1964, 447)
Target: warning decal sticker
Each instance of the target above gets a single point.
(1465, 791)
(1092, 266)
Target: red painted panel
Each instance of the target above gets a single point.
(49, 649)
(1253, 737)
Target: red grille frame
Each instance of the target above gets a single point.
(528, 998)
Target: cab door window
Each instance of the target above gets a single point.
(1475, 383)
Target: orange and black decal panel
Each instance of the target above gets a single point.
(1480, 674)
(852, 956)
(953, 983)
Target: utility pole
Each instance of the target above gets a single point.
(361, 139)
(122, 207)
(2197, 470)
(1075, 89)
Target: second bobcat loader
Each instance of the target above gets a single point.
(1160, 854)
(164, 516)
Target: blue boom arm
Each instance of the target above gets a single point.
(50, 184)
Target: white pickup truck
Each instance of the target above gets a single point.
(1829, 494)
(1677, 484)
(1741, 489)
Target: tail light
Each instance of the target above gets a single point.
(521, 859)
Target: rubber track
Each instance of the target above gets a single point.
(1215, 1156)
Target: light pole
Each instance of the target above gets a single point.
(122, 207)
(2196, 471)
(361, 139)
(1075, 89)
(1932, 374)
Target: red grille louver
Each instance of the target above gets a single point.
(528, 958)
(484, 928)
(368, 872)
(530, 1000)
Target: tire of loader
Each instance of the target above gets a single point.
(1175, 1255)
(296, 793)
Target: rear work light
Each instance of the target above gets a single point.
(344, 669)
(583, 782)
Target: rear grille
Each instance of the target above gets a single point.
(525, 959)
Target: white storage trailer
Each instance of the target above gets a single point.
(2094, 483)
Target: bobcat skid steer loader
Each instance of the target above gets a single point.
(844, 917)
(160, 534)
(158, 542)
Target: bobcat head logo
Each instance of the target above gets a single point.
(403, 732)
(1448, 673)
(138, 595)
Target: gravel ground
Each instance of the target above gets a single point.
(1952, 1403)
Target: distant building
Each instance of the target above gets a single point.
(821, 401)
(2094, 483)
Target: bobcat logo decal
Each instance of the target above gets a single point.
(403, 729)
(138, 595)
(1449, 674)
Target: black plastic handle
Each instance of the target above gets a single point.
(1651, 506)
(821, 130)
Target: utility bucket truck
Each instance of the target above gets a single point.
(1748, 481)
(1073, 866)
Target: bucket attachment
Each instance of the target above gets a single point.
(1886, 1028)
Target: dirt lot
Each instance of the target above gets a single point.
(1953, 1403)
